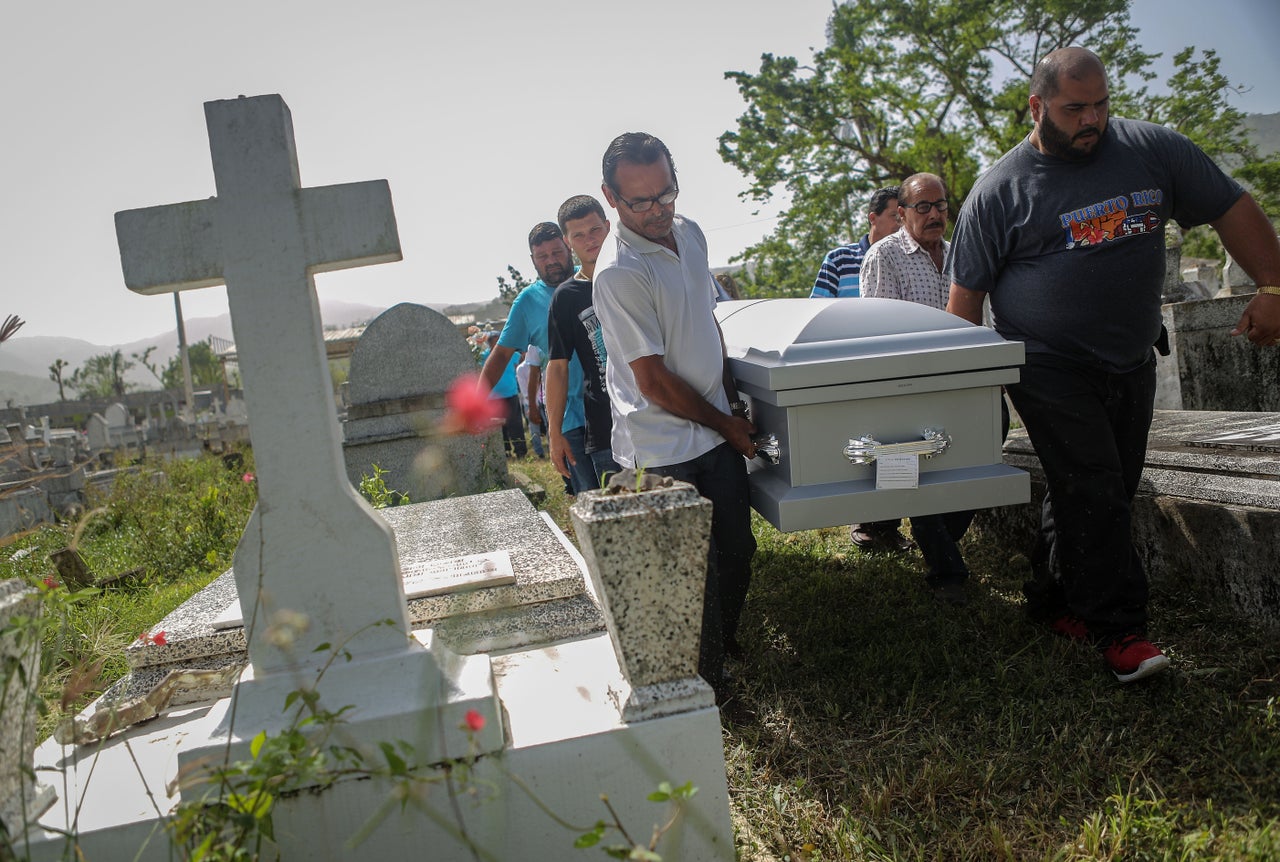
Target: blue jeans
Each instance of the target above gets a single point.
(580, 474)
(721, 476)
(603, 465)
(535, 435)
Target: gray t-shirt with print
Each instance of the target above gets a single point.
(1072, 253)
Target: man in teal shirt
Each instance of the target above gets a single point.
(527, 324)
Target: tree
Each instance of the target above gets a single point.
(931, 85)
(508, 291)
(206, 369)
(144, 359)
(55, 374)
(101, 376)
(13, 323)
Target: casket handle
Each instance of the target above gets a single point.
(865, 449)
(768, 448)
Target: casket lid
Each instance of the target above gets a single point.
(793, 343)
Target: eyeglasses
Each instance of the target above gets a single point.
(645, 204)
(923, 207)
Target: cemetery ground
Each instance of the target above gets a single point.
(870, 721)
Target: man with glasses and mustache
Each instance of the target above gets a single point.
(1066, 234)
(675, 407)
(909, 265)
(527, 324)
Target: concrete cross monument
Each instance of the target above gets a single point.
(312, 546)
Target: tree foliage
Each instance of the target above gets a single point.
(206, 369)
(55, 374)
(101, 376)
(509, 290)
(931, 85)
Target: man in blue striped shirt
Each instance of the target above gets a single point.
(838, 275)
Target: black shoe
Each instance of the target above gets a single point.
(733, 649)
(890, 541)
(949, 591)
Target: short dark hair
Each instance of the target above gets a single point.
(880, 200)
(544, 231)
(578, 206)
(1073, 62)
(640, 148)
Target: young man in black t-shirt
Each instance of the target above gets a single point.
(573, 327)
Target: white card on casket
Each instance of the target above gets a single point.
(897, 470)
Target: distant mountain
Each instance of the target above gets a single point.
(25, 361)
(1264, 132)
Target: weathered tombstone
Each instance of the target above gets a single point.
(400, 370)
(1235, 281)
(1208, 369)
(99, 433)
(1174, 289)
(21, 800)
(117, 416)
(265, 237)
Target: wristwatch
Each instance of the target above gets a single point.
(1272, 289)
(739, 408)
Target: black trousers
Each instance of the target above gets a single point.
(513, 428)
(938, 536)
(720, 475)
(1089, 429)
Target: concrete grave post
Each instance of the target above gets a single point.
(312, 547)
(647, 555)
(21, 800)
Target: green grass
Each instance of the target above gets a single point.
(179, 521)
(882, 725)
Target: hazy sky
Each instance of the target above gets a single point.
(483, 117)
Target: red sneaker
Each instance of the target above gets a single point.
(1133, 657)
(1070, 627)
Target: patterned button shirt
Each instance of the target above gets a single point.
(897, 267)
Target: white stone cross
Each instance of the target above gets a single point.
(312, 545)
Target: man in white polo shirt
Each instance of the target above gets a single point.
(668, 381)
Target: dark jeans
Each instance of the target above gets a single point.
(1089, 429)
(580, 474)
(513, 428)
(938, 536)
(721, 476)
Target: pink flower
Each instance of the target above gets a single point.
(474, 721)
(248, 477)
(470, 409)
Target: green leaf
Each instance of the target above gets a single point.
(256, 745)
(256, 805)
(394, 761)
(324, 647)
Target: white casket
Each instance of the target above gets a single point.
(860, 390)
